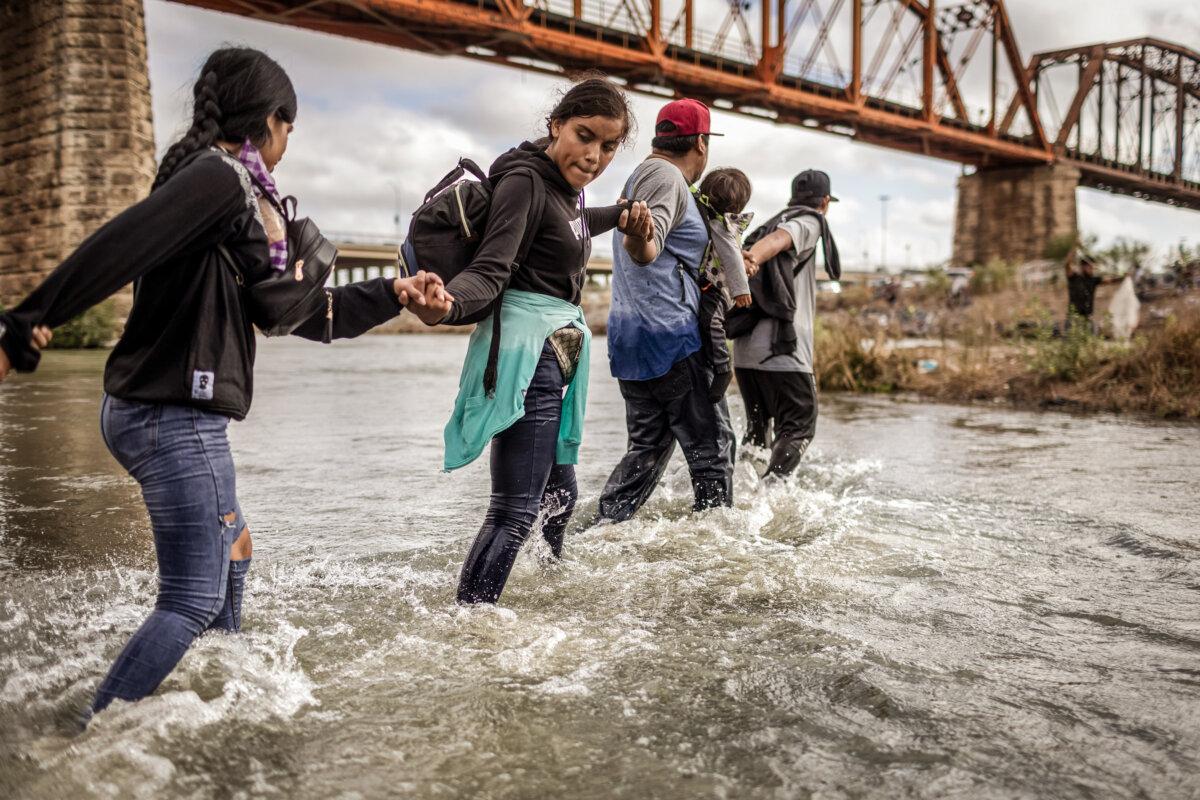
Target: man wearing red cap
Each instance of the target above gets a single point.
(654, 331)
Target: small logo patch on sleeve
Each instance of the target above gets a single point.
(202, 385)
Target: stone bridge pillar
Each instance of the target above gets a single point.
(1012, 213)
(76, 138)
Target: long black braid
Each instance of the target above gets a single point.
(238, 89)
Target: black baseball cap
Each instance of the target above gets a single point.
(812, 183)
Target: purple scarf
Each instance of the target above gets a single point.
(251, 159)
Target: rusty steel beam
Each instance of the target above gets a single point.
(1180, 115)
(951, 84)
(928, 58)
(465, 25)
(856, 51)
(1087, 81)
(1170, 47)
(547, 41)
(445, 26)
(1028, 101)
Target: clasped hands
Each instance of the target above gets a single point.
(425, 295)
(41, 337)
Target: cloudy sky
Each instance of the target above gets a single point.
(378, 123)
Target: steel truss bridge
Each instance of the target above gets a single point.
(945, 80)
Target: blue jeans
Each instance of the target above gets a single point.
(180, 456)
(526, 482)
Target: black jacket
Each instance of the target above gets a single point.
(188, 339)
(561, 246)
(773, 288)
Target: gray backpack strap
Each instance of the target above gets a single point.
(534, 221)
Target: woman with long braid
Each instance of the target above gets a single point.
(184, 365)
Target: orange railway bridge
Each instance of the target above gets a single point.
(942, 78)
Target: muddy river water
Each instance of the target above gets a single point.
(945, 602)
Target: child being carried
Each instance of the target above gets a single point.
(724, 283)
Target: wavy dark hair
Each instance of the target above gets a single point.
(238, 89)
(593, 95)
(728, 190)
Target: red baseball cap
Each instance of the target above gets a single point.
(686, 117)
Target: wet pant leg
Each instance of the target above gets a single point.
(658, 413)
(522, 459)
(558, 503)
(230, 617)
(793, 402)
(702, 429)
(180, 456)
(649, 449)
(758, 418)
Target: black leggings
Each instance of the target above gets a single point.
(526, 483)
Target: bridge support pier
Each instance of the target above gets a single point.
(1012, 213)
(76, 138)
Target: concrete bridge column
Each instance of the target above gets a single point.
(76, 138)
(1012, 213)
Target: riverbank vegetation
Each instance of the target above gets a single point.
(1010, 347)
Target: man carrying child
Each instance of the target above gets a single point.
(654, 343)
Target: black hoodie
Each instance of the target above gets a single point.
(188, 339)
(559, 252)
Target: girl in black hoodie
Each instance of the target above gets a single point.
(530, 473)
(184, 364)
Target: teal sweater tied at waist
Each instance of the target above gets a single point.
(526, 320)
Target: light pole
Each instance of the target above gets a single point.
(396, 208)
(883, 201)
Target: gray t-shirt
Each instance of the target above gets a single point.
(754, 351)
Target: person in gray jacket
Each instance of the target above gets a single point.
(773, 344)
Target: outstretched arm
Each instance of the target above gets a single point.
(770, 245)
(477, 287)
(185, 213)
(660, 188)
(358, 307)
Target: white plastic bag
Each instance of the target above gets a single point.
(1124, 310)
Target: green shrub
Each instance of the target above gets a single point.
(95, 327)
(1075, 352)
(994, 276)
(1060, 246)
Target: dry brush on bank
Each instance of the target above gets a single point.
(988, 355)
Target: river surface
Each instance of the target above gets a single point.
(945, 602)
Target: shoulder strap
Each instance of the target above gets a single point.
(537, 208)
(230, 262)
(464, 166)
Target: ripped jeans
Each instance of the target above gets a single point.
(180, 456)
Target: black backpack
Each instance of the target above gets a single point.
(279, 302)
(446, 230)
(741, 322)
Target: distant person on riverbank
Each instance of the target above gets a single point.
(533, 419)
(1082, 282)
(773, 338)
(654, 344)
(724, 275)
(184, 365)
